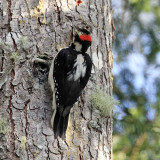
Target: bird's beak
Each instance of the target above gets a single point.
(78, 31)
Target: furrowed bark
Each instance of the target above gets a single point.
(31, 28)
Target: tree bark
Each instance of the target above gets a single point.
(28, 29)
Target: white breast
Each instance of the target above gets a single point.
(80, 68)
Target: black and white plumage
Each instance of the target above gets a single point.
(68, 76)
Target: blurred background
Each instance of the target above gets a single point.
(136, 73)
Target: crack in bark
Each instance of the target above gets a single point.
(12, 77)
(96, 15)
(9, 14)
(2, 63)
(59, 13)
(19, 28)
(102, 10)
(89, 146)
(47, 151)
(112, 23)
(59, 148)
(14, 42)
(39, 21)
(9, 20)
(81, 108)
(76, 9)
(106, 80)
(68, 6)
(11, 116)
(89, 8)
(25, 116)
(37, 49)
(89, 137)
(55, 42)
(97, 49)
(80, 153)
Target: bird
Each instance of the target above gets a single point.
(69, 73)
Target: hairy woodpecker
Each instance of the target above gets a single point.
(69, 74)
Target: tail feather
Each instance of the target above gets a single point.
(56, 127)
(60, 125)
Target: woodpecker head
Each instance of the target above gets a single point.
(82, 39)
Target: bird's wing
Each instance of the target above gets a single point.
(58, 75)
(73, 88)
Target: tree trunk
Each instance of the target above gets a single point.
(28, 29)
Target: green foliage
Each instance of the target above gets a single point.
(137, 136)
(3, 126)
(102, 102)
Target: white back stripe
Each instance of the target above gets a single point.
(80, 68)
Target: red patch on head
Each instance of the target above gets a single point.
(85, 37)
(78, 2)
